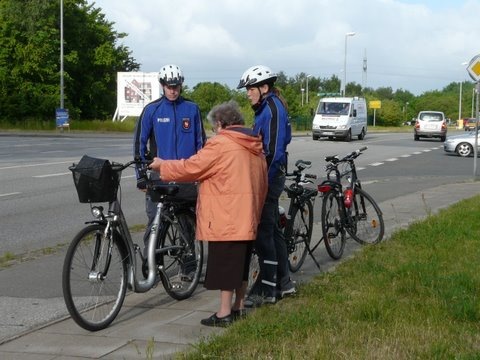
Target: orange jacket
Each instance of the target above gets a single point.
(232, 171)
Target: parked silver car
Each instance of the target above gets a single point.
(462, 145)
(431, 124)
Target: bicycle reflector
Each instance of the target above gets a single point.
(323, 188)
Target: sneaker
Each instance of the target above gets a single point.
(288, 289)
(255, 301)
(214, 320)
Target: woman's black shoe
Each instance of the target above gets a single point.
(214, 320)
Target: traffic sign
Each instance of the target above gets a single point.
(61, 117)
(375, 104)
(473, 68)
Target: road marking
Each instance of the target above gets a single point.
(377, 164)
(427, 150)
(10, 194)
(417, 153)
(392, 159)
(405, 156)
(51, 175)
(33, 165)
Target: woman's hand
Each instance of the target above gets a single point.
(155, 165)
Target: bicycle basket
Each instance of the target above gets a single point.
(95, 180)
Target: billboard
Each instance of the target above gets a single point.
(134, 91)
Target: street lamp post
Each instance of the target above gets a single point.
(460, 102)
(460, 97)
(405, 112)
(303, 91)
(307, 89)
(345, 64)
(61, 56)
(473, 99)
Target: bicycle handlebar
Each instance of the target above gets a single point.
(350, 157)
(301, 166)
(120, 167)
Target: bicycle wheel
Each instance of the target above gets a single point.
(368, 226)
(300, 234)
(181, 256)
(332, 226)
(94, 278)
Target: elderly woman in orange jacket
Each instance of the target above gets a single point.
(232, 172)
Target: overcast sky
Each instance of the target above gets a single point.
(415, 45)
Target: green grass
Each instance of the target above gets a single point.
(8, 259)
(415, 296)
(127, 125)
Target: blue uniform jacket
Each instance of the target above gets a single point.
(271, 122)
(170, 130)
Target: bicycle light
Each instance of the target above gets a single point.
(97, 212)
(347, 199)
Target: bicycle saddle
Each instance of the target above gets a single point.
(303, 164)
(332, 158)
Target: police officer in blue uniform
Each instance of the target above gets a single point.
(271, 122)
(170, 128)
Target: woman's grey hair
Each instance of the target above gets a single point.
(227, 113)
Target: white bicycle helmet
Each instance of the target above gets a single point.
(257, 75)
(170, 75)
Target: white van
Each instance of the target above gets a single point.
(340, 117)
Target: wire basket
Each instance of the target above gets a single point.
(96, 180)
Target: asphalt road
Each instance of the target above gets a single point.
(39, 206)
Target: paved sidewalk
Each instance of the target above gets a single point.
(155, 321)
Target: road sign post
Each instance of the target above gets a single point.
(375, 104)
(473, 70)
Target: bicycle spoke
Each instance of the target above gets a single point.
(94, 279)
(301, 234)
(332, 226)
(367, 219)
(182, 266)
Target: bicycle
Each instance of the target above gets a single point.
(347, 209)
(101, 261)
(297, 224)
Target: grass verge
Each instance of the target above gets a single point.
(415, 296)
(8, 259)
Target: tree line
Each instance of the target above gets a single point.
(93, 54)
